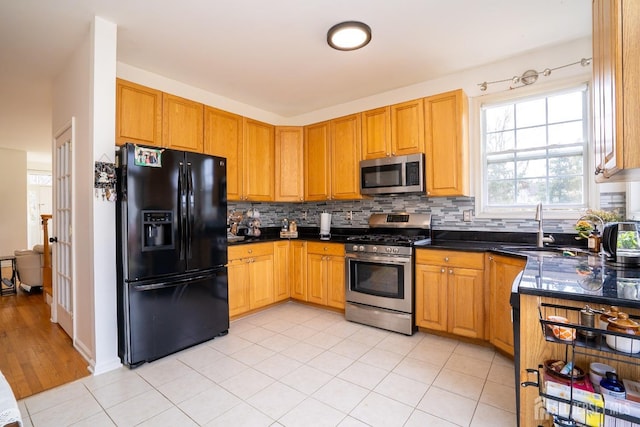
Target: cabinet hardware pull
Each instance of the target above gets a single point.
(535, 383)
(446, 259)
(442, 270)
(450, 271)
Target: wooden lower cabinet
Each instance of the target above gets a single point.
(325, 274)
(281, 270)
(251, 277)
(298, 270)
(450, 292)
(503, 270)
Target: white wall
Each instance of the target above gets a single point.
(85, 89)
(104, 218)
(13, 194)
(550, 57)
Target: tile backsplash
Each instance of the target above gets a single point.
(447, 213)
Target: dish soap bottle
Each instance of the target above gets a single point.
(593, 241)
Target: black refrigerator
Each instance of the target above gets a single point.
(171, 251)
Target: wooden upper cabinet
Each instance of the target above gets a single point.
(138, 114)
(376, 133)
(316, 161)
(407, 128)
(345, 157)
(258, 161)
(223, 136)
(446, 123)
(289, 164)
(616, 84)
(182, 123)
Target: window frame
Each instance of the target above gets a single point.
(479, 174)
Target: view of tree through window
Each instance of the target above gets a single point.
(535, 150)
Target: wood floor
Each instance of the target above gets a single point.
(35, 355)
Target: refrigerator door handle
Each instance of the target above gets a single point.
(174, 282)
(190, 208)
(182, 209)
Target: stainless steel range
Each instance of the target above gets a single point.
(379, 271)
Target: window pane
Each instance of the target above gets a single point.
(532, 168)
(501, 193)
(534, 151)
(562, 166)
(500, 141)
(503, 170)
(531, 138)
(565, 107)
(566, 133)
(566, 190)
(498, 118)
(531, 191)
(531, 113)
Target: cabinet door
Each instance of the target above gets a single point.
(182, 123)
(407, 128)
(431, 297)
(466, 302)
(223, 137)
(317, 279)
(281, 270)
(336, 282)
(260, 281)
(238, 287)
(446, 124)
(289, 164)
(259, 159)
(502, 272)
(138, 114)
(298, 269)
(316, 162)
(345, 157)
(376, 133)
(616, 70)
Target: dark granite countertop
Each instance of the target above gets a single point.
(583, 277)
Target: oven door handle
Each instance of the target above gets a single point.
(394, 259)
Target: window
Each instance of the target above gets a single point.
(534, 149)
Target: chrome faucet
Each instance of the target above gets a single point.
(541, 237)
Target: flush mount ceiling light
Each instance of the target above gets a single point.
(350, 35)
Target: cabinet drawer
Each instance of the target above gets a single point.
(249, 250)
(451, 258)
(325, 248)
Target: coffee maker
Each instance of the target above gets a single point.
(621, 243)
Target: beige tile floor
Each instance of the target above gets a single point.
(294, 365)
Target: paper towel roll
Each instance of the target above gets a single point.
(325, 223)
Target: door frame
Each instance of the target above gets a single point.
(68, 126)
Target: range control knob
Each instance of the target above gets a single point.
(396, 250)
(361, 248)
(388, 249)
(374, 249)
(355, 248)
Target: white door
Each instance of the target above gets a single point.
(63, 295)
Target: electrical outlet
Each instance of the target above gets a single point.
(349, 215)
(304, 215)
(466, 215)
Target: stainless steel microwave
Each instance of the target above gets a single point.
(393, 175)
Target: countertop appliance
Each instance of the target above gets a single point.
(379, 271)
(393, 175)
(171, 251)
(621, 243)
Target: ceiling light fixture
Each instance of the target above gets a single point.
(350, 35)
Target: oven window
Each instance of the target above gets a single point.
(382, 176)
(385, 280)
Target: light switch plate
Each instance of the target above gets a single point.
(466, 215)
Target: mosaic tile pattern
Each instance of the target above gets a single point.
(447, 213)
